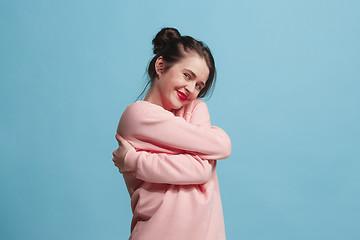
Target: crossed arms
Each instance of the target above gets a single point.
(168, 149)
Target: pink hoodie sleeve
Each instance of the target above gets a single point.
(169, 168)
(159, 130)
(180, 169)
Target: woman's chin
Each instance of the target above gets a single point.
(177, 103)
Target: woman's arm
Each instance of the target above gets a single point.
(180, 169)
(159, 130)
(170, 168)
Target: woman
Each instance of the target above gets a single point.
(168, 148)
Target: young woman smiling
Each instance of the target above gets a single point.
(168, 149)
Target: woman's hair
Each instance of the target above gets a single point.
(169, 44)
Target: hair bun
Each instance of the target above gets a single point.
(163, 37)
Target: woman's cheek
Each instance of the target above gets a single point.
(192, 97)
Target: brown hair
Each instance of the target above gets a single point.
(169, 44)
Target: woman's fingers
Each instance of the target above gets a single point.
(119, 138)
(125, 145)
(119, 154)
(118, 158)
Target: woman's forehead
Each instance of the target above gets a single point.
(196, 64)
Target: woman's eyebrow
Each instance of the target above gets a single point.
(192, 73)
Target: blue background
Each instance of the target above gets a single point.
(287, 94)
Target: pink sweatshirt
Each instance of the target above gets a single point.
(171, 176)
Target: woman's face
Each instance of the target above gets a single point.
(180, 84)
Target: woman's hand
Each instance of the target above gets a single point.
(119, 154)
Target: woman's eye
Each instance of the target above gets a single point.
(198, 86)
(187, 76)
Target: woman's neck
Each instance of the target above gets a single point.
(153, 96)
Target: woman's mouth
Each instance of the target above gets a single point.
(182, 96)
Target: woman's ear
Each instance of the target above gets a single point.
(159, 66)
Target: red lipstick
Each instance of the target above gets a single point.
(182, 96)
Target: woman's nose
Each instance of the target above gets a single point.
(190, 88)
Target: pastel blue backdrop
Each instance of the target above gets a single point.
(287, 94)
